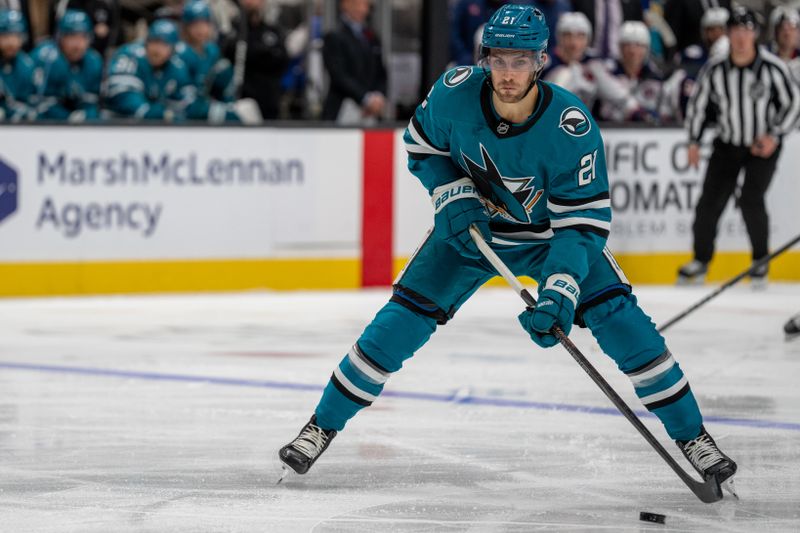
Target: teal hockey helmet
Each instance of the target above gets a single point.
(163, 30)
(516, 27)
(12, 21)
(74, 21)
(196, 10)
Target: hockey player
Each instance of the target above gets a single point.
(211, 73)
(572, 67)
(679, 86)
(638, 76)
(16, 70)
(148, 81)
(69, 71)
(792, 327)
(784, 25)
(523, 161)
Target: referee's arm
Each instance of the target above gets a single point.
(787, 96)
(699, 103)
(697, 111)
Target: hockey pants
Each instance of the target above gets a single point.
(437, 281)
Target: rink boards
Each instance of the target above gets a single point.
(148, 209)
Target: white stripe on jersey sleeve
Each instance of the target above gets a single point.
(421, 147)
(597, 204)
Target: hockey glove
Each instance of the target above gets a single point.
(556, 307)
(457, 206)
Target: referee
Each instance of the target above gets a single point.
(751, 97)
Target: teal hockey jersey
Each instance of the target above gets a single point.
(67, 88)
(543, 181)
(211, 73)
(17, 92)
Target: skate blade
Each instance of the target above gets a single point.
(728, 486)
(694, 281)
(284, 472)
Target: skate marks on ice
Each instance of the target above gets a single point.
(177, 423)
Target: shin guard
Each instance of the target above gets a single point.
(393, 336)
(627, 335)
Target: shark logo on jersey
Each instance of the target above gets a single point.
(511, 198)
(457, 76)
(574, 122)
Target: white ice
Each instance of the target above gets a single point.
(165, 414)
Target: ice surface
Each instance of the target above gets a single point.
(166, 413)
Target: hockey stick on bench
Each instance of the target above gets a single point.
(708, 491)
(733, 281)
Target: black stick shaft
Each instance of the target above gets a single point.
(708, 492)
(731, 282)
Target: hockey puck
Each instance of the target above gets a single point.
(652, 517)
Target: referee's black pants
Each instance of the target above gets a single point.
(720, 183)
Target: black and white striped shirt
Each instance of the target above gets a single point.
(745, 102)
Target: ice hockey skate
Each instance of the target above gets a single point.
(758, 278)
(305, 449)
(792, 328)
(709, 461)
(692, 273)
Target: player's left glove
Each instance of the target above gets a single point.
(556, 307)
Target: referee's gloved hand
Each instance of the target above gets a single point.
(556, 307)
(457, 206)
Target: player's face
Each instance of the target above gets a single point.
(10, 44)
(743, 39)
(712, 33)
(74, 46)
(512, 72)
(633, 55)
(786, 35)
(158, 53)
(199, 31)
(573, 45)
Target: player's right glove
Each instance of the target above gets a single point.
(457, 206)
(556, 307)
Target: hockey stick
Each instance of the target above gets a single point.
(708, 491)
(733, 281)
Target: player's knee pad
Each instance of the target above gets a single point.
(628, 335)
(394, 335)
(624, 331)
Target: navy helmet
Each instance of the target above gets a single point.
(74, 21)
(163, 30)
(12, 21)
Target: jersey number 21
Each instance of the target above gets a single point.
(586, 172)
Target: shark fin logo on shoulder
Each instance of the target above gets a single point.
(575, 122)
(457, 76)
